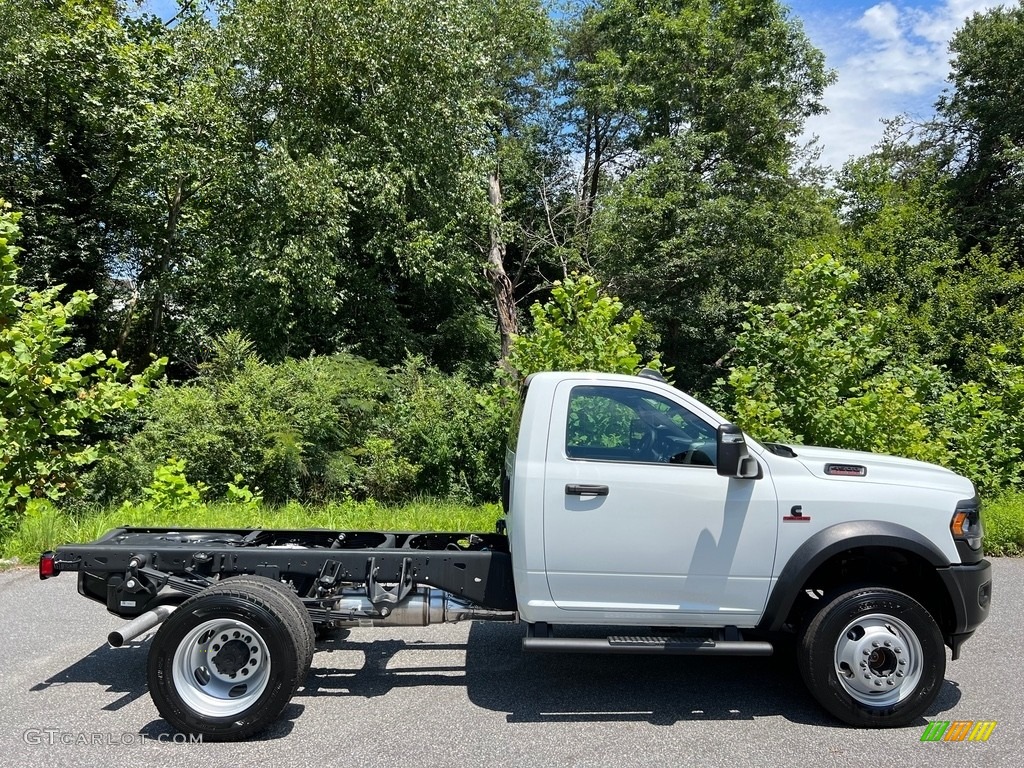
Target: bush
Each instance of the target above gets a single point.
(170, 490)
(1004, 524)
(287, 428)
(50, 400)
(579, 330)
(814, 369)
(453, 430)
(317, 429)
(982, 425)
(386, 476)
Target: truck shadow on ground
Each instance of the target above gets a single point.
(123, 671)
(530, 688)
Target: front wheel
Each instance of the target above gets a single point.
(873, 657)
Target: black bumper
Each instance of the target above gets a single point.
(970, 592)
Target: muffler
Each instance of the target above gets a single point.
(428, 606)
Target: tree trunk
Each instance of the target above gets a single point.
(174, 203)
(504, 296)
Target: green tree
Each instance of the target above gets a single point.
(190, 150)
(355, 224)
(813, 369)
(689, 113)
(78, 81)
(949, 302)
(816, 368)
(50, 399)
(314, 174)
(980, 128)
(579, 330)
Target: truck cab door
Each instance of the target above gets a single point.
(638, 525)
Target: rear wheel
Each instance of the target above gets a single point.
(873, 657)
(226, 663)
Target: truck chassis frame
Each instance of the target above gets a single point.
(133, 570)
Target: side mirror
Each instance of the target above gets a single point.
(733, 458)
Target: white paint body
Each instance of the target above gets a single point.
(678, 544)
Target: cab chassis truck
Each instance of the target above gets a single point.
(628, 505)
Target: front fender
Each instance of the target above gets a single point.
(831, 541)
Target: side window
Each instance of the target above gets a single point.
(625, 424)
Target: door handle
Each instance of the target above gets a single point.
(574, 489)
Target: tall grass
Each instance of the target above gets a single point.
(45, 527)
(1004, 524)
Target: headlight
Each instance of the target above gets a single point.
(966, 524)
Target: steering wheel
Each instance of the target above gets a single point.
(646, 447)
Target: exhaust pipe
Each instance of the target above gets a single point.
(139, 624)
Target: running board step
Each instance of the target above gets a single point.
(672, 646)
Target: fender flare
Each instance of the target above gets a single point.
(830, 541)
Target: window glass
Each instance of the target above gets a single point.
(625, 424)
(513, 432)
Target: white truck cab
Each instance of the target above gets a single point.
(630, 503)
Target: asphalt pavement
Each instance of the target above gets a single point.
(465, 695)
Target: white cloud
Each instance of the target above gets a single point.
(891, 59)
(881, 21)
(939, 27)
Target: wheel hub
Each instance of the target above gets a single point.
(878, 659)
(233, 656)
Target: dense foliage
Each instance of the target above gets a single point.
(53, 405)
(579, 330)
(815, 368)
(351, 227)
(314, 429)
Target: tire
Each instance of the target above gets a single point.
(873, 657)
(299, 614)
(226, 663)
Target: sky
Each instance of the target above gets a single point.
(890, 58)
